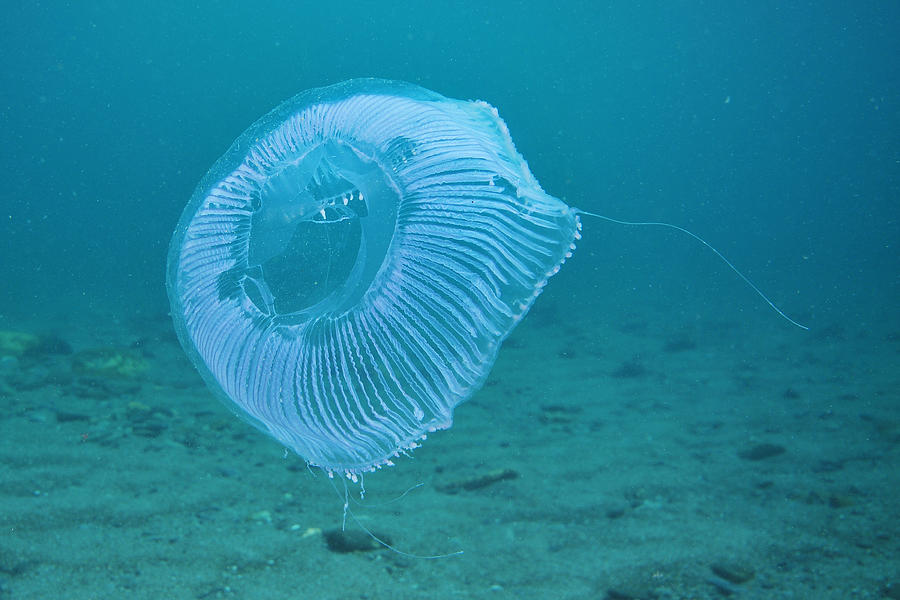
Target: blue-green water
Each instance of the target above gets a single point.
(770, 129)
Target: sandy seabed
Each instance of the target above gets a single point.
(637, 460)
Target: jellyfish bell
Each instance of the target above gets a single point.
(344, 275)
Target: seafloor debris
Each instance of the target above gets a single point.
(475, 483)
(109, 362)
(346, 541)
(761, 451)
